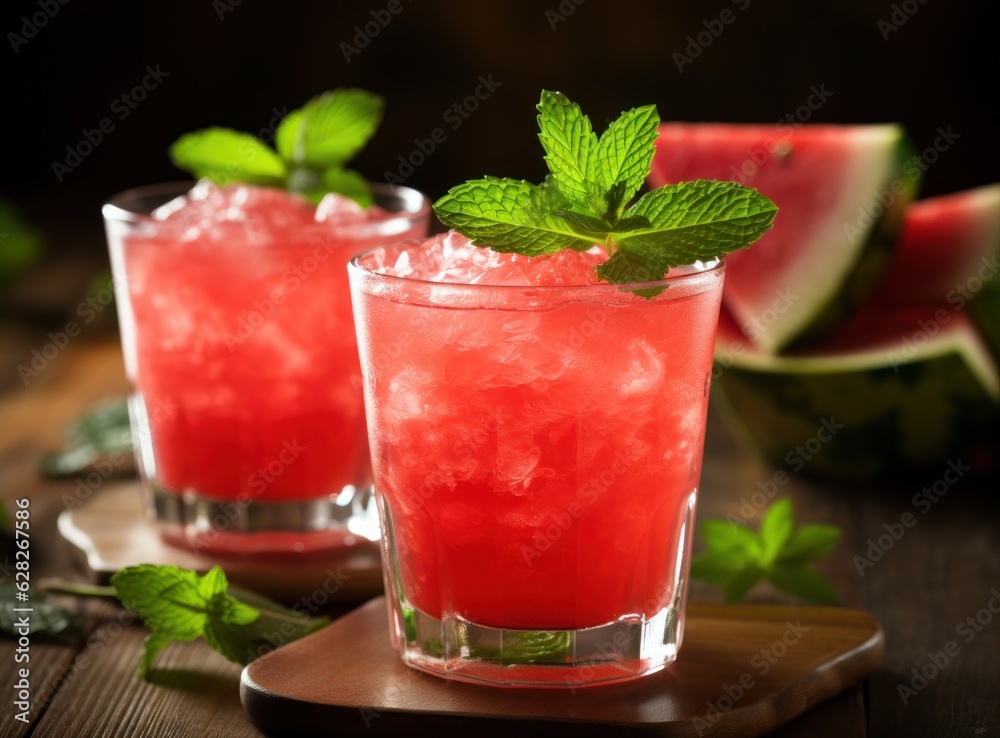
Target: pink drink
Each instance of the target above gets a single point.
(237, 329)
(536, 448)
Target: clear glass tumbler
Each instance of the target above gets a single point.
(247, 413)
(536, 455)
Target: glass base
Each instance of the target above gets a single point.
(213, 525)
(455, 648)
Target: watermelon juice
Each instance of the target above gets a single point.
(238, 340)
(537, 441)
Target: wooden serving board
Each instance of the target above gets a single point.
(744, 670)
(111, 531)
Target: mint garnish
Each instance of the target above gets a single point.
(313, 145)
(585, 200)
(179, 605)
(737, 558)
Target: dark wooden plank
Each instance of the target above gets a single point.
(944, 570)
(843, 716)
(193, 692)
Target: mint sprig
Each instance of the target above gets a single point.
(179, 605)
(736, 558)
(585, 201)
(313, 146)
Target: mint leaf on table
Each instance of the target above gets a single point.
(179, 605)
(736, 558)
(313, 145)
(46, 619)
(585, 201)
(99, 432)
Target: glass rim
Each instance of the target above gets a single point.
(416, 205)
(354, 265)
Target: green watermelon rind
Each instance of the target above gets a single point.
(872, 259)
(898, 420)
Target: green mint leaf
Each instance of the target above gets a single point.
(625, 151)
(167, 598)
(625, 267)
(179, 605)
(529, 647)
(718, 567)
(224, 155)
(698, 221)
(288, 138)
(586, 224)
(584, 198)
(20, 243)
(152, 647)
(632, 223)
(776, 528)
(721, 535)
(330, 129)
(102, 430)
(507, 215)
(736, 588)
(348, 183)
(570, 144)
(808, 543)
(47, 621)
(736, 558)
(803, 582)
(614, 200)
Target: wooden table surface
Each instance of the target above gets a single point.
(943, 570)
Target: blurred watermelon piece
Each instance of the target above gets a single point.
(841, 193)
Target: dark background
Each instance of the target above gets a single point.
(236, 62)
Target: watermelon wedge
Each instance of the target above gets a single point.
(949, 255)
(841, 192)
(903, 391)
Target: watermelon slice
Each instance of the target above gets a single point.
(841, 192)
(910, 390)
(949, 255)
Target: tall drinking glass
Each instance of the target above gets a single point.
(536, 455)
(235, 316)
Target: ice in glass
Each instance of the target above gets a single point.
(238, 339)
(536, 441)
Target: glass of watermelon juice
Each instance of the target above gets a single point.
(247, 415)
(536, 442)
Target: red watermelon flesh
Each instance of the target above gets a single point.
(949, 245)
(809, 272)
